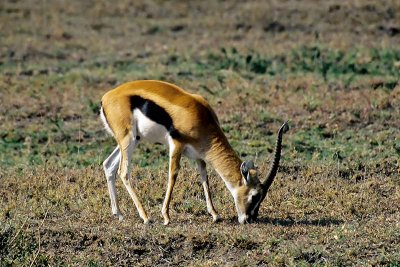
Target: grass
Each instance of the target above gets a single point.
(336, 199)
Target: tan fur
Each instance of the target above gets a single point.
(180, 105)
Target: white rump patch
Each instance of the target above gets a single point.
(104, 120)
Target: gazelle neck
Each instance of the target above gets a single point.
(225, 161)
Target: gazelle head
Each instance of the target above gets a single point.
(249, 196)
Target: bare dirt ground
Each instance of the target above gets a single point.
(331, 67)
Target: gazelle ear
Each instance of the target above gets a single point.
(243, 169)
(249, 172)
(246, 166)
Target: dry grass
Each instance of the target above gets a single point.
(333, 68)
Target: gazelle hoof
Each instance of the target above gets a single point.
(119, 217)
(216, 219)
(166, 221)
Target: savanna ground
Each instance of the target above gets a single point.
(331, 67)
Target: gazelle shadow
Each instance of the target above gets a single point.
(290, 222)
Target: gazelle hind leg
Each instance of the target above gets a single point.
(204, 181)
(175, 153)
(110, 166)
(127, 146)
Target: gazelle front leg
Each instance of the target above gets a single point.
(204, 181)
(127, 146)
(110, 166)
(175, 153)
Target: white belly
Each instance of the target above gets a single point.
(149, 130)
(153, 132)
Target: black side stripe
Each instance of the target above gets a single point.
(155, 113)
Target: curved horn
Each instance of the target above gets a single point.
(274, 167)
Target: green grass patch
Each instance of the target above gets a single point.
(328, 63)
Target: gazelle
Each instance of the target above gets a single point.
(161, 112)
